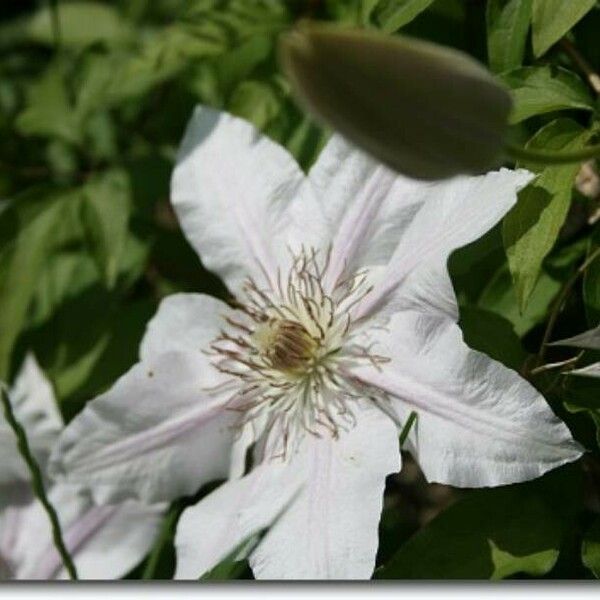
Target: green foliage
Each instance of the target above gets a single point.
(500, 297)
(41, 217)
(553, 18)
(89, 245)
(591, 285)
(590, 551)
(493, 534)
(234, 564)
(48, 112)
(532, 226)
(492, 334)
(507, 26)
(81, 24)
(391, 15)
(540, 90)
(106, 208)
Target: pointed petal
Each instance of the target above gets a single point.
(232, 190)
(479, 423)
(592, 370)
(36, 410)
(223, 521)
(455, 213)
(590, 340)
(367, 207)
(334, 521)
(184, 323)
(105, 542)
(159, 433)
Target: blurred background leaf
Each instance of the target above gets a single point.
(492, 534)
(507, 26)
(546, 89)
(553, 18)
(590, 552)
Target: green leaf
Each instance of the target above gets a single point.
(30, 229)
(553, 18)
(539, 90)
(257, 102)
(493, 533)
(162, 56)
(229, 568)
(238, 64)
(507, 26)
(69, 273)
(391, 15)
(238, 35)
(499, 297)
(48, 112)
(590, 549)
(582, 393)
(65, 274)
(234, 564)
(531, 228)
(106, 207)
(81, 24)
(591, 284)
(306, 141)
(492, 334)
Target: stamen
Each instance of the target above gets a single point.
(288, 348)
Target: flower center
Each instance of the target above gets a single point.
(290, 347)
(287, 345)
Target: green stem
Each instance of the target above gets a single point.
(163, 536)
(520, 153)
(559, 302)
(407, 427)
(37, 482)
(56, 34)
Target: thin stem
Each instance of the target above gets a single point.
(163, 536)
(521, 153)
(55, 17)
(407, 427)
(37, 483)
(560, 300)
(582, 64)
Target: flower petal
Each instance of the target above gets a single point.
(36, 410)
(232, 190)
(223, 521)
(367, 206)
(159, 433)
(455, 213)
(334, 521)
(184, 323)
(105, 542)
(479, 423)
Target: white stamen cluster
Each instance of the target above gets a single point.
(289, 347)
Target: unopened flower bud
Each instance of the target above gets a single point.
(427, 111)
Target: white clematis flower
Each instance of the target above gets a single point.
(105, 541)
(344, 322)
